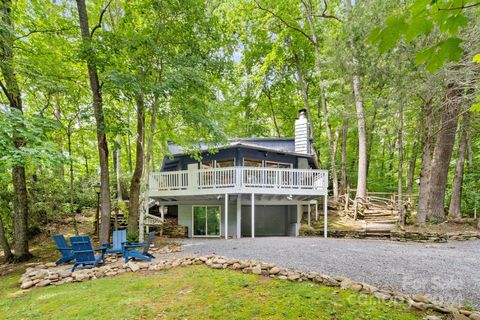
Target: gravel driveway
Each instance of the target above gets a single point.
(447, 272)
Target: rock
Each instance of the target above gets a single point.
(51, 265)
(475, 316)
(381, 295)
(265, 273)
(432, 318)
(458, 316)
(356, 287)
(329, 281)
(217, 266)
(368, 288)
(143, 265)
(38, 274)
(282, 277)
(346, 284)
(418, 305)
(43, 283)
(27, 284)
(257, 270)
(274, 270)
(133, 266)
(64, 273)
(420, 298)
(293, 276)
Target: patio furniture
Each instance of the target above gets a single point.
(85, 253)
(64, 249)
(119, 238)
(131, 250)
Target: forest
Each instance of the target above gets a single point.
(92, 91)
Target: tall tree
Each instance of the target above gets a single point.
(456, 199)
(99, 117)
(12, 91)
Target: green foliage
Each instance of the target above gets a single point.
(132, 236)
(440, 19)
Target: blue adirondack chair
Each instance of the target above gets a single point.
(119, 238)
(131, 250)
(85, 253)
(64, 249)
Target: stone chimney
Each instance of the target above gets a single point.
(302, 143)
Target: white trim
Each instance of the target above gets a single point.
(253, 215)
(239, 216)
(206, 222)
(226, 216)
(325, 217)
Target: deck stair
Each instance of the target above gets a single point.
(379, 222)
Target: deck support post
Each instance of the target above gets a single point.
(239, 216)
(162, 212)
(253, 215)
(325, 216)
(309, 218)
(226, 216)
(299, 219)
(316, 211)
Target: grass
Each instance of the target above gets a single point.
(195, 292)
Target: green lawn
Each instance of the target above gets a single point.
(191, 293)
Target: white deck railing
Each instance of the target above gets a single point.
(239, 179)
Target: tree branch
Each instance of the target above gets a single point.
(102, 13)
(324, 13)
(5, 91)
(41, 31)
(460, 8)
(283, 21)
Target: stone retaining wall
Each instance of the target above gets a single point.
(397, 235)
(44, 275)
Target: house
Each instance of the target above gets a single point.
(245, 188)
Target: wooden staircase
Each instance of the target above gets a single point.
(379, 222)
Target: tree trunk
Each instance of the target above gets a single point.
(343, 181)
(371, 136)
(272, 109)
(331, 141)
(12, 91)
(411, 168)
(442, 152)
(4, 243)
(73, 211)
(456, 200)
(304, 90)
(118, 170)
(401, 211)
(362, 140)
(135, 184)
(101, 125)
(426, 163)
(362, 133)
(129, 148)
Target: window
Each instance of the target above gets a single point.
(252, 163)
(206, 221)
(272, 164)
(224, 163)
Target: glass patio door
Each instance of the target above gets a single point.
(206, 221)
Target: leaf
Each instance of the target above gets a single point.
(436, 56)
(476, 58)
(476, 106)
(453, 24)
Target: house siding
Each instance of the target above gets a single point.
(181, 162)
